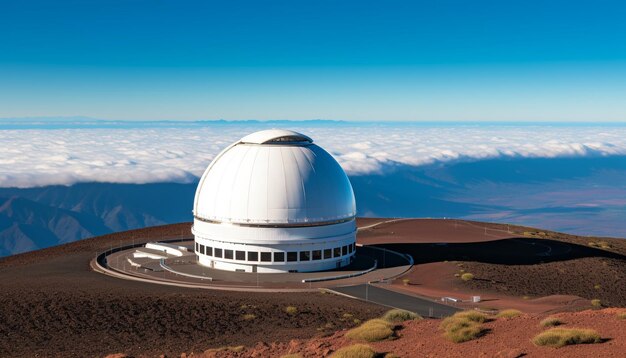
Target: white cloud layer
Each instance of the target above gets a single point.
(36, 157)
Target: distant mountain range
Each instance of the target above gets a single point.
(579, 195)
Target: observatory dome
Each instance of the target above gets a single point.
(274, 202)
(274, 177)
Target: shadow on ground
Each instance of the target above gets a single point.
(517, 251)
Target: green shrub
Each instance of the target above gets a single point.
(398, 315)
(291, 310)
(596, 302)
(355, 351)
(559, 337)
(550, 322)
(510, 313)
(467, 276)
(373, 330)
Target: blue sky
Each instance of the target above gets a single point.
(392, 60)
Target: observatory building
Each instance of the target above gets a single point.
(274, 202)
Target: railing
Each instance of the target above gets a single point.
(165, 267)
(338, 277)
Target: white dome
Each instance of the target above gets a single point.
(274, 177)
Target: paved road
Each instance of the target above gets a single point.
(389, 298)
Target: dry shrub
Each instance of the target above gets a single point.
(510, 313)
(621, 315)
(355, 351)
(559, 337)
(373, 330)
(473, 316)
(551, 322)
(406, 281)
(249, 317)
(291, 310)
(596, 302)
(463, 326)
(293, 355)
(235, 349)
(467, 276)
(398, 315)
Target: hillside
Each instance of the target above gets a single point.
(54, 305)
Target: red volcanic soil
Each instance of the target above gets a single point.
(52, 304)
(505, 337)
(513, 266)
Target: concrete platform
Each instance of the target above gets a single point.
(370, 265)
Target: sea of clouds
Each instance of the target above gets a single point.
(39, 157)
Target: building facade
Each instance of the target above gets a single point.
(274, 202)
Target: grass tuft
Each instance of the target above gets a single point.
(249, 317)
(292, 355)
(463, 326)
(373, 330)
(291, 310)
(235, 349)
(550, 322)
(510, 313)
(406, 281)
(398, 315)
(621, 315)
(596, 302)
(559, 337)
(355, 351)
(467, 276)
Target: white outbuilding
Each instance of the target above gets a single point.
(274, 202)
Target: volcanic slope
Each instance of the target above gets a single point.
(54, 305)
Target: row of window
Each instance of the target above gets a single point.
(278, 256)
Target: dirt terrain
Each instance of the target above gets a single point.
(504, 338)
(511, 265)
(54, 305)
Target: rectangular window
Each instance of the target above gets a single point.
(344, 250)
(202, 249)
(209, 250)
(228, 254)
(218, 252)
(350, 248)
(279, 257)
(292, 256)
(354, 246)
(240, 255)
(197, 247)
(328, 254)
(305, 255)
(317, 254)
(266, 257)
(337, 252)
(253, 256)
